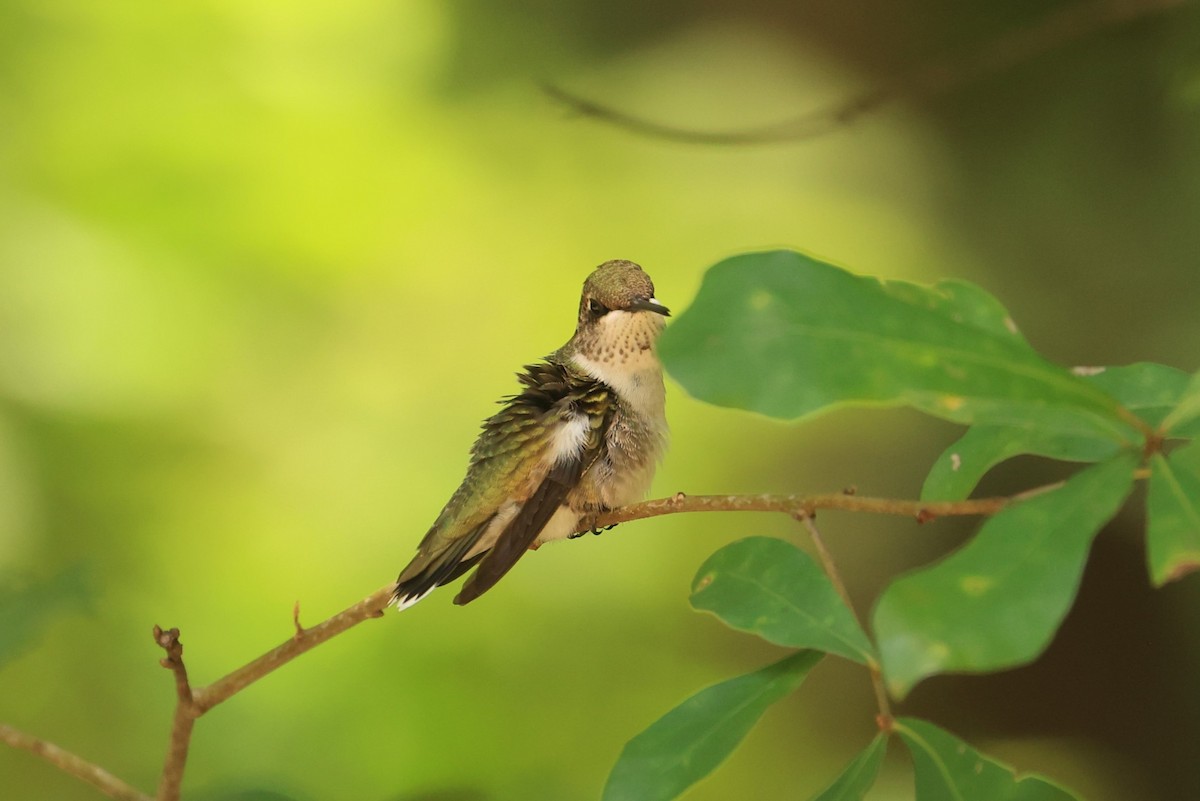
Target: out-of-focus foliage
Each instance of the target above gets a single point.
(264, 267)
(27, 607)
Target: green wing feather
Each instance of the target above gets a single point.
(507, 459)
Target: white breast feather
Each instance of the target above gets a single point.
(569, 437)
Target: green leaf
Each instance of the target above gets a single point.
(947, 769)
(771, 588)
(858, 776)
(1182, 420)
(963, 302)
(1148, 390)
(686, 744)
(958, 470)
(1173, 508)
(786, 335)
(28, 607)
(997, 601)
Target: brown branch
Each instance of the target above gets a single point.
(1054, 30)
(304, 639)
(194, 702)
(835, 578)
(191, 704)
(885, 718)
(72, 765)
(171, 783)
(370, 607)
(805, 505)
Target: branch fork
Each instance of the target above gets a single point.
(192, 702)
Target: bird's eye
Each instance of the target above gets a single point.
(596, 308)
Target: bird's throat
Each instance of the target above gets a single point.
(620, 351)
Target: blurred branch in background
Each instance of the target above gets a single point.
(1053, 31)
(72, 765)
(232, 325)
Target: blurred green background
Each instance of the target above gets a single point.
(264, 266)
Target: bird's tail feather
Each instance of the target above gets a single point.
(443, 568)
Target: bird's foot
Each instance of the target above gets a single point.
(589, 527)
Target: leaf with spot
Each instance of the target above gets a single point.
(1173, 509)
(1147, 390)
(958, 470)
(786, 335)
(771, 588)
(947, 769)
(686, 744)
(961, 301)
(859, 776)
(997, 601)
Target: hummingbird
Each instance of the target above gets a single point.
(583, 436)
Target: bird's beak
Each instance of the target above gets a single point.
(650, 305)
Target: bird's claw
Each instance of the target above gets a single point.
(595, 530)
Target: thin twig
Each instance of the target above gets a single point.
(304, 639)
(370, 607)
(804, 504)
(194, 702)
(373, 605)
(809, 522)
(171, 783)
(835, 578)
(1056, 29)
(72, 765)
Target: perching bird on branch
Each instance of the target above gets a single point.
(584, 435)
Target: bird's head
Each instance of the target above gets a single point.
(619, 317)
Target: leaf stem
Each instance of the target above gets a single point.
(809, 522)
